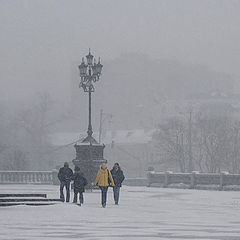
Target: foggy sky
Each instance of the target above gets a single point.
(41, 39)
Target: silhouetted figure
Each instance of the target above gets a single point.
(118, 178)
(79, 183)
(65, 176)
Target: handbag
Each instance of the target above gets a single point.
(109, 180)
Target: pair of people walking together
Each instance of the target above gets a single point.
(106, 178)
(66, 175)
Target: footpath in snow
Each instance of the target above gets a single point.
(143, 213)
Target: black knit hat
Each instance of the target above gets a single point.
(77, 168)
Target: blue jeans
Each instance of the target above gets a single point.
(116, 191)
(104, 195)
(67, 186)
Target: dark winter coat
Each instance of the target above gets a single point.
(118, 177)
(65, 174)
(79, 181)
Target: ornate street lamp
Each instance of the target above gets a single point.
(90, 73)
(89, 153)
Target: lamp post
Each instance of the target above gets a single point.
(90, 73)
(89, 153)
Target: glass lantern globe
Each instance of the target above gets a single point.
(82, 68)
(89, 58)
(99, 67)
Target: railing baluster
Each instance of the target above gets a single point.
(35, 177)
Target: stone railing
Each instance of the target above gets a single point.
(137, 181)
(193, 180)
(36, 177)
(49, 177)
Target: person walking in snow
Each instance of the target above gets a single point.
(103, 179)
(79, 183)
(65, 175)
(118, 178)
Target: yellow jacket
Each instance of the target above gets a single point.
(102, 178)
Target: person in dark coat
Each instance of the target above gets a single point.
(65, 176)
(79, 183)
(118, 178)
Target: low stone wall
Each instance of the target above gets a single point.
(135, 182)
(23, 177)
(193, 180)
(49, 177)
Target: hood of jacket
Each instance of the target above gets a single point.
(79, 172)
(100, 167)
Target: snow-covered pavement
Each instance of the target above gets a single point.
(143, 213)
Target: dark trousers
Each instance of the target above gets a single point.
(104, 195)
(67, 186)
(80, 197)
(116, 191)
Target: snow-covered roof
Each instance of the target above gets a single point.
(64, 138)
(128, 136)
(119, 136)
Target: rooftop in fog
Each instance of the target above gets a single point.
(119, 136)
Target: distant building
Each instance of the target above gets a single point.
(130, 148)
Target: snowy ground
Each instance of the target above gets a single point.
(143, 213)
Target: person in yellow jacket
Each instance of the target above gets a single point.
(103, 179)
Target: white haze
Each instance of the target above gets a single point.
(41, 40)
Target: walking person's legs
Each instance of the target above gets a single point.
(116, 191)
(104, 201)
(61, 191)
(104, 195)
(114, 194)
(67, 191)
(81, 197)
(75, 196)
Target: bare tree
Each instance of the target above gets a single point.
(170, 142)
(214, 142)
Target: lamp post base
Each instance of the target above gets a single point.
(89, 157)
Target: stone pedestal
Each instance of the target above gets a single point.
(89, 156)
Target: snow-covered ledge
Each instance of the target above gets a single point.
(37, 177)
(220, 181)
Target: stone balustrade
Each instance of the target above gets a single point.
(164, 179)
(40, 177)
(193, 180)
